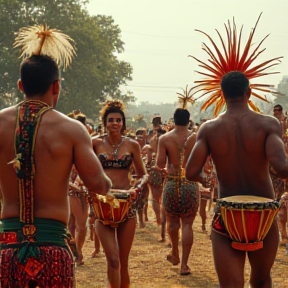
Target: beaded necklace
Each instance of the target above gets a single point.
(29, 113)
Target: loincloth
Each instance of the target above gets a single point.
(180, 196)
(46, 261)
(155, 178)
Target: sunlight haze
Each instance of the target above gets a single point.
(159, 36)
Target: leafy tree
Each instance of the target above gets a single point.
(94, 73)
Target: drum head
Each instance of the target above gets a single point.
(246, 199)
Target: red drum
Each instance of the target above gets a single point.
(248, 219)
(113, 209)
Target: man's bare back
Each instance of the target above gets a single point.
(169, 144)
(60, 141)
(239, 145)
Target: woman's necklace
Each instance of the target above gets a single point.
(115, 152)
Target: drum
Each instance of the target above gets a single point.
(112, 209)
(247, 219)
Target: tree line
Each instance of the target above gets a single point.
(94, 73)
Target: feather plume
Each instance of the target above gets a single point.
(38, 40)
(231, 59)
(185, 97)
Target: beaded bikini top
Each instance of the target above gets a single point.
(108, 162)
(29, 113)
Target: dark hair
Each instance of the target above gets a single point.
(150, 132)
(140, 131)
(181, 117)
(161, 131)
(234, 84)
(81, 117)
(113, 106)
(156, 121)
(37, 73)
(278, 106)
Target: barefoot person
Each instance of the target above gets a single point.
(280, 185)
(142, 209)
(180, 196)
(44, 146)
(116, 154)
(242, 144)
(156, 179)
(78, 199)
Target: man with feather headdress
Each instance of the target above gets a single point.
(242, 144)
(44, 146)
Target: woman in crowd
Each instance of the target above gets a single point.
(116, 154)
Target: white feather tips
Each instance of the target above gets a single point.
(38, 40)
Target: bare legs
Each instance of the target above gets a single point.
(117, 258)
(93, 234)
(202, 213)
(158, 209)
(143, 206)
(230, 265)
(156, 201)
(173, 222)
(282, 222)
(79, 209)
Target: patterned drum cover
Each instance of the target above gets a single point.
(247, 219)
(113, 208)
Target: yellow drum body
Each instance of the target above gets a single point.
(112, 209)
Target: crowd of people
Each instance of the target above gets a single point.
(61, 176)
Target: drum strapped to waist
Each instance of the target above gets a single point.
(113, 208)
(247, 219)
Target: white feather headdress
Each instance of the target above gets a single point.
(38, 40)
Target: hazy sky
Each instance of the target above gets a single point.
(159, 35)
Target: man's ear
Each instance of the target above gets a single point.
(249, 92)
(20, 85)
(56, 87)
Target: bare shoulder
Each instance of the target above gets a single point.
(266, 122)
(130, 141)
(6, 112)
(191, 137)
(166, 136)
(63, 125)
(146, 148)
(97, 139)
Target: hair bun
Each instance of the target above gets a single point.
(115, 104)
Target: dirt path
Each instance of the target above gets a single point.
(149, 267)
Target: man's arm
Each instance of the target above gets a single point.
(275, 150)
(161, 153)
(137, 159)
(197, 158)
(87, 164)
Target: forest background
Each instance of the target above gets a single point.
(96, 74)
